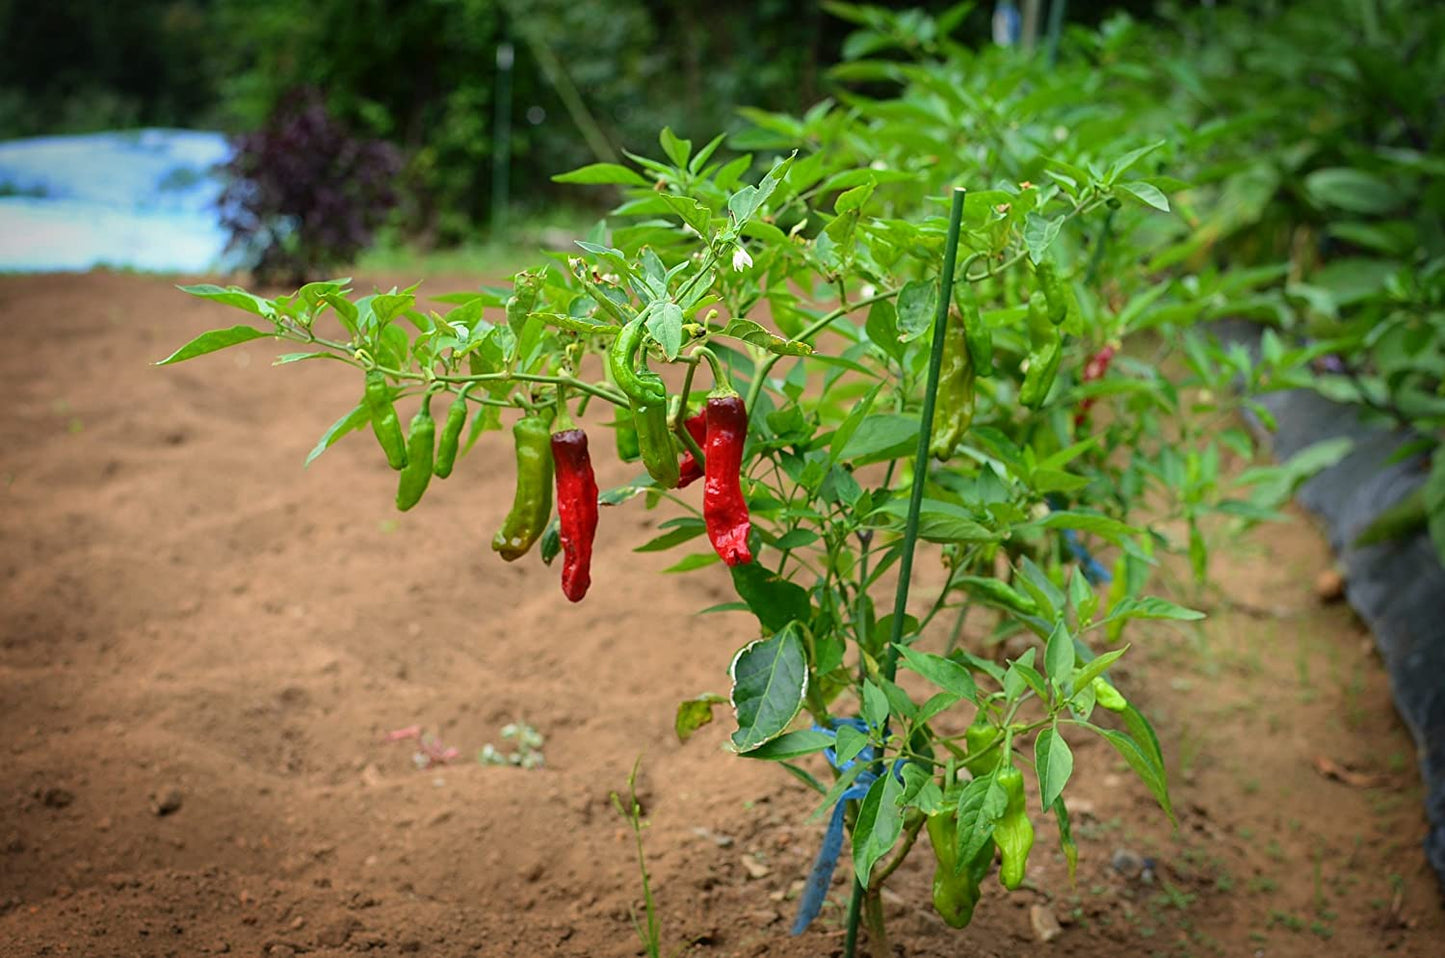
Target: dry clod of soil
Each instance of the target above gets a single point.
(1330, 586)
(57, 797)
(1046, 927)
(166, 801)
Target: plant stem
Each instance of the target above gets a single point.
(855, 904)
(873, 918)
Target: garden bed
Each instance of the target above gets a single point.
(202, 657)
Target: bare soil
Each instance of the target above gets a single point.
(203, 648)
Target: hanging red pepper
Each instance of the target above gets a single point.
(576, 509)
(688, 469)
(723, 507)
(1094, 370)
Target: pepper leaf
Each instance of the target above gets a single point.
(693, 714)
(214, 340)
(355, 419)
(1054, 763)
(880, 822)
(770, 677)
(774, 600)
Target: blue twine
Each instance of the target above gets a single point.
(820, 876)
(1093, 571)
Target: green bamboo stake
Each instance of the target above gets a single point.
(925, 435)
(915, 499)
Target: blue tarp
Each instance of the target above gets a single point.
(139, 199)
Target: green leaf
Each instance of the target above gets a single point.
(665, 325)
(693, 714)
(882, 328)
(1111, 529)
(575, 324)
(1353, 190)
(880, 822)
(1146, 193)
(774, 600)
(232, 296)
(758, 335)
(917, 302)
(1039, 234)
(1054, 763)
(770, 677)
(212, 341)
(676, 148)
(686, 529)
(792, 745)
(980, 805)
(1149, 607)
(875, 706)
(1123, 163)
(944, 673)
(1059, 657)
(1097, 666)
(698, 560)
(885, 436)
(850, 743)
(594, 173)
(1139, 760)
(353, 420)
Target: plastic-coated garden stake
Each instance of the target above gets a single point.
(915, 498)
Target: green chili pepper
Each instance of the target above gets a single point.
(1107, 696)
(976, 333)
(955, 889)
(628, 449)
(647, 395)
(451, 437)
(955, 392)
(1013, 832)
(1044, 356)
(532, 501)
(1053, 290)
(383, 419)
(981, 740)
(419, 447)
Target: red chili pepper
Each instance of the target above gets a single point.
(1094, 370)
(576, 510)
(723, 506)
(688, 468)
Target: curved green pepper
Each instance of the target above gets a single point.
(980, 741)
(977, 334)
(647, 395)
(955, 391)
(383, 419)
(451, 437)
(1014, 832)
(532, 501)
(1108, 697)
(955, 889)
(1053, 290)
(416, 476)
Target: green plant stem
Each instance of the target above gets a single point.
(910, 835)
(755, 389)
(855, 905)
(873, 919)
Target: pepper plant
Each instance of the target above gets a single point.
(876, 396)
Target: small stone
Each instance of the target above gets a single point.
(57, 797)
(755, 868)
(1127, 863)
(166, 801)
(337, 932)
(409, 946)
(281, 951)
(1330, 586)
(298, 923)
(1046, 926)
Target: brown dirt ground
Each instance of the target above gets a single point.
(186, 609)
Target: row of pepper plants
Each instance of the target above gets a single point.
(866, 370)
